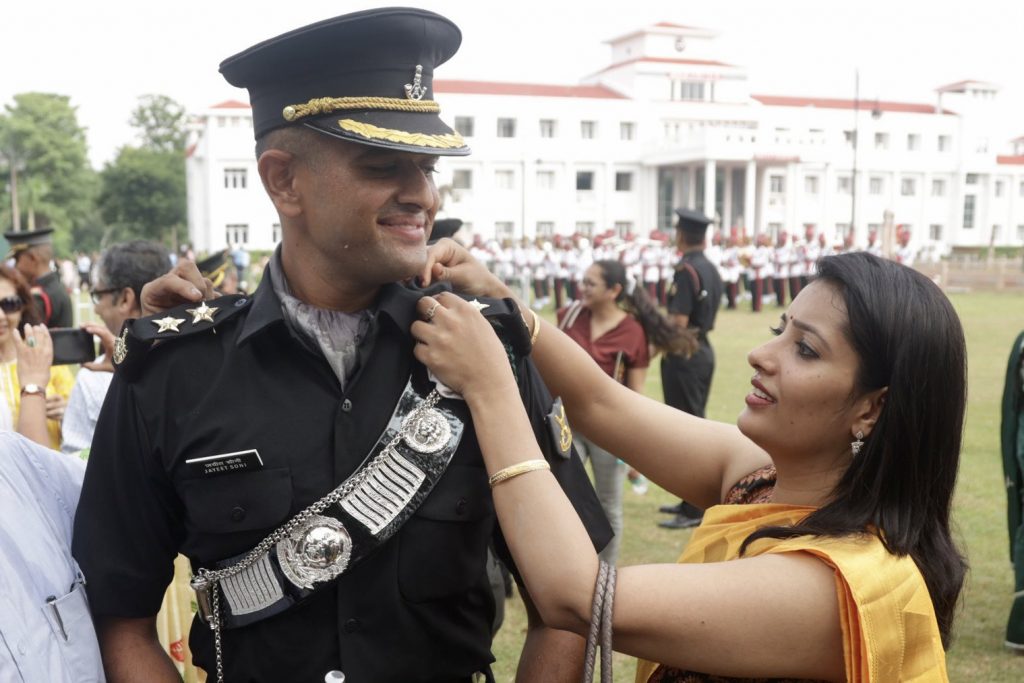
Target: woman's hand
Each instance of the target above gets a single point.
(184, 284)
(457, 344)
(448, 261)
(107, 342)
(55, 406)
(35, 355)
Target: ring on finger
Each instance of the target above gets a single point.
(30, 341)
(432, 311)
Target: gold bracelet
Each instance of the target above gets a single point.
(536, 327)
(517, 469)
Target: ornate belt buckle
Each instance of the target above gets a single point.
(315, 552)
(426, 431)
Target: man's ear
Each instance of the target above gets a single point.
(277, 171)
(869, 409)
(129, 304)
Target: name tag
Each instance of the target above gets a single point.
(226, 463)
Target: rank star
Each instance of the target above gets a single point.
(475, 303)
(202, 313)
(168, 324)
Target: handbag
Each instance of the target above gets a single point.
(601, 625)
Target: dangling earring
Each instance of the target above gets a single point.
(855, 446)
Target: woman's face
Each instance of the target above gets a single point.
(595, 291)
(8, 321)
(801, 403)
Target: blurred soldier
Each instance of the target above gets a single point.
(905, 253)
(1012, 440)
(33, 257)
(781, 262)
(693, 303)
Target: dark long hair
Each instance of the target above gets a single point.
(661, 332)
(908, 338)
(30, 313)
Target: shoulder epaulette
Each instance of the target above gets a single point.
(504, 316)
(139, 335)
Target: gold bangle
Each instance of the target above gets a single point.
(536, 327)
(517, 469)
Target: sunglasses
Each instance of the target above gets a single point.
(11, 304)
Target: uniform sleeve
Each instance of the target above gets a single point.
(683, 297)
(566, 465)
(129, 521)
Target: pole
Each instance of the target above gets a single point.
(856, 144)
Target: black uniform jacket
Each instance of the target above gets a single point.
(419, 609)
(53, 301)
(685, 298)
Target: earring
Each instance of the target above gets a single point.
(855, 446)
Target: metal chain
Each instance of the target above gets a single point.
(214, 577)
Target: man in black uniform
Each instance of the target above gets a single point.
(33, 255)
(693, 302)
(337, 523)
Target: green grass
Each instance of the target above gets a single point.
(991, 321)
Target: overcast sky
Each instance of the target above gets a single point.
(106, 53)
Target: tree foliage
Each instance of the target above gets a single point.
(143, 195)
(160, 122)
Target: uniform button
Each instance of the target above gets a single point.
(334, 677)
(346, 405)
(460, 507)
(237, 514)
(353, 626)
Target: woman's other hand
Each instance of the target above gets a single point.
(35, 355)
(448, 261)
(55, 406)
(457, 344)
(184, 284)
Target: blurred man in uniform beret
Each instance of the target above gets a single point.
(338, 515)
(33, 257)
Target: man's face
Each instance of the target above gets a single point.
(25, 262)
(111, 305)
(368, 211)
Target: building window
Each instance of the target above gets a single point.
(506, 128)
(875, 185)
(1020, 190)
(234, 178)
(938, 188)
(996, 230)
(545, 229)
(881, 141)
(972, 179)
(237, 233)
(811, 184)
(547, 128)
(623, 228)
(585, 228)
(687, 90)
(1020, 232)
(623, 181)
(584, 180)
(505, 180)
(546, 180)
(968, 211)
(842, 230)
(588, 130)
(945, 144)
(848, 137)
(935, 232)
(843, 184)
(627, 130)
(998, 189)
(913, 142)
(462, 179)
(464, 126)
(504, 229)
(777, 184)
(275, 233)
(908, 187)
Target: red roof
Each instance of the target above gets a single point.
(529, 89)
(832, 103)
(959, 86)
(231, 104)
(666, 60)
(1007, 159)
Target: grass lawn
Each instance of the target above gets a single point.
(992, 321)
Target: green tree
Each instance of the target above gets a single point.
(160, 123)
(142, 195)
(43, 157)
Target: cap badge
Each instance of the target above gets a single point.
(416, 91)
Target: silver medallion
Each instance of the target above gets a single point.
(426, 431)
(316, 551)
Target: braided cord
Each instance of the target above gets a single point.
(601, 625)
(326, 105)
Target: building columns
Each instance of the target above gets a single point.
(750, 198)
(709, 188)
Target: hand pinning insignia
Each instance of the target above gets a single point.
(201, 314)
(168, 324)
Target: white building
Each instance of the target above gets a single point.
(645, 133)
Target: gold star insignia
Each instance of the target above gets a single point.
(168, 324)
(475, 303)
(203, 312)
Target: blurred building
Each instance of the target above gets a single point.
(669, 123)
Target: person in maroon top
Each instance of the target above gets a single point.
(619, 325)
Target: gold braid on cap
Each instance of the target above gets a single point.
(371, 132)
(326, 105)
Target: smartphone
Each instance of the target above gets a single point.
(72, 345)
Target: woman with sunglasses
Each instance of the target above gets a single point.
(33, 394)
(618, 325)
